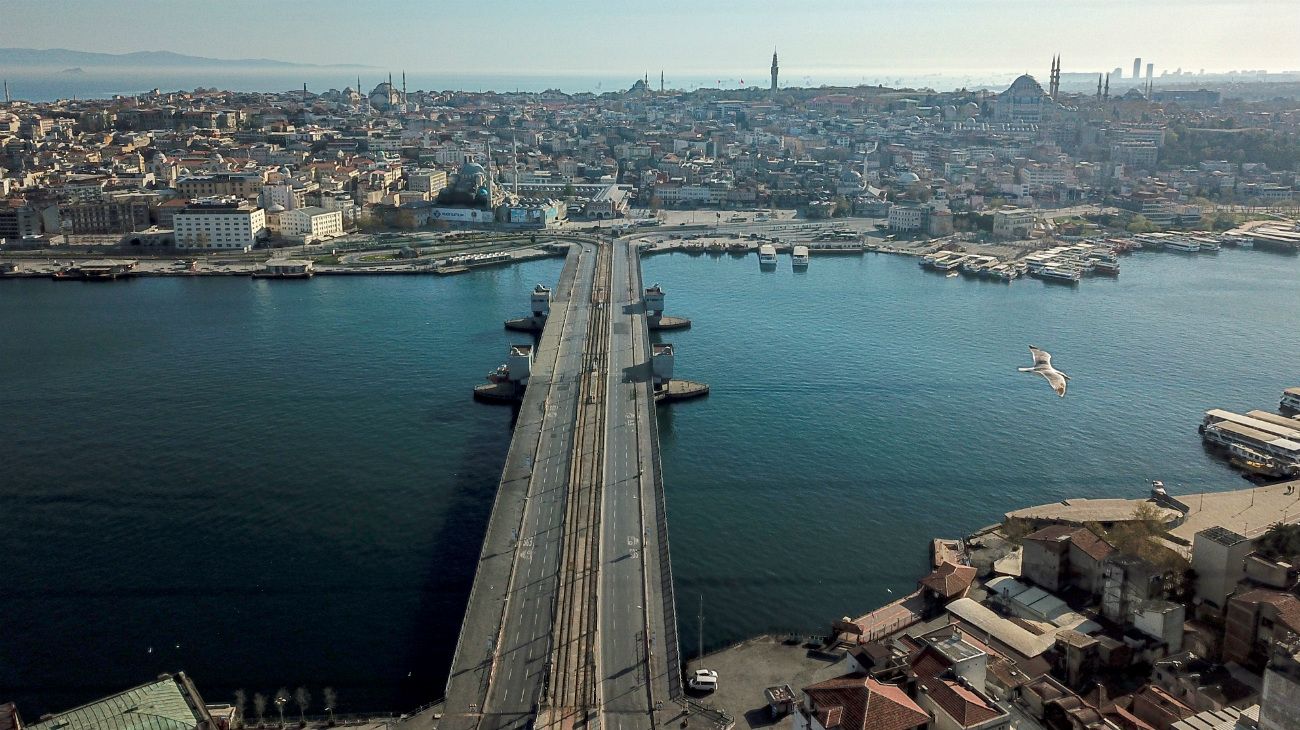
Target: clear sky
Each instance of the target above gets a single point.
(684, 37)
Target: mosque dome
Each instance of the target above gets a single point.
(275, 208)
(907, 178)
(1025, 85)
(851, 176)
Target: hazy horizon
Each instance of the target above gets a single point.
(729, 39)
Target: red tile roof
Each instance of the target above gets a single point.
(949, 580)
(858, 702)
(961, 704)
(1286, 604)
(1083, 538)
(1092, 544)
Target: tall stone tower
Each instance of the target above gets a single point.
(775, 69)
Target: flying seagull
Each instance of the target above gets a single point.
(1043, 366)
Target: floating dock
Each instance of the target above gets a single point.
(677, 390)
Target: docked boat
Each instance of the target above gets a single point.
(799, 257)
(767, 255)
(1063, 274)
(952, 263)
(1181, 244)
(1206, 244)
(1290, 402)
(500, 375)
(106, 271)
(1257, 464)
(1004, 272)
(1107, 267)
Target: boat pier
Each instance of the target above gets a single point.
(571, 619)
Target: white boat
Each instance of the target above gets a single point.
(1290, 400)
(1060, 273)
(767, 255)
(799, 257)
(1184, 245)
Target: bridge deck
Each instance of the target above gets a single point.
(581, 489)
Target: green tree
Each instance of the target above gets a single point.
(1140, 224)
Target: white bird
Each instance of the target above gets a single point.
(1043, 366)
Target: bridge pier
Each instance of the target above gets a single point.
(666, 388)
(507, 383)
(654, 311)
(535, 322)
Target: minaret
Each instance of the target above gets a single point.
(775, 69)
(403, 91)
(514, 162)
(1098, 87)
(661, 81)
(6, 92)
(1105, 94)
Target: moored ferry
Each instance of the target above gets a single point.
(1290, 400)
(1182, 244)
(767, 255)
(799, 257)
(1062, 274)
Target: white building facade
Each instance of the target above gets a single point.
(221, 224)
(311, 224)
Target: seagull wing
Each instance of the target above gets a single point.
(1041, 357)
(1056, 379)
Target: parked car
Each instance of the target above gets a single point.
(704, 680)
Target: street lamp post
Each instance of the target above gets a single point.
(279, 705)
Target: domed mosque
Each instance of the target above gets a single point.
(1023, 101)
(473, 187)
(385, 98)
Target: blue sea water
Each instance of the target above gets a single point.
(271, 483)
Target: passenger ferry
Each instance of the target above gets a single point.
(1060, 273)
(1206, 244)
(767, 255)
(1107, 267)
(799, 257)
(1290, 400)
(1182, 244)
(1228, 430)
(952, 263)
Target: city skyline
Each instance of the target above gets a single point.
(729, 39)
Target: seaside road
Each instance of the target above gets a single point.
(500, 664)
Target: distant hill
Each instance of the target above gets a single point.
(63, 58)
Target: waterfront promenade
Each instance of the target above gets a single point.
(570, 620)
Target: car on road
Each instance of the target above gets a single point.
(703, 680)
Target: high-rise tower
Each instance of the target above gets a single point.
(1137, 69)
(775, 69)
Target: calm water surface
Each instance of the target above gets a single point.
(285, 483)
